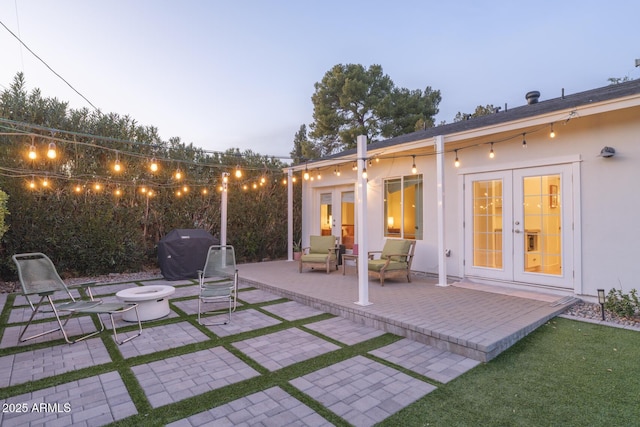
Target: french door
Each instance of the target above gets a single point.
(518, 226)
(337, 214)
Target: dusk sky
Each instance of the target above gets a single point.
(240, 74)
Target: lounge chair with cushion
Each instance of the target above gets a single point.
(394, 260)
(321, 253)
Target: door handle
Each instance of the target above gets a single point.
(517, 231)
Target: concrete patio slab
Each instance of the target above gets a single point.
(177, 378)
(344, 330)
(158, 338)
(362, 391)
(280, 349)
(271, 407)
(91, 401)
(439, 365)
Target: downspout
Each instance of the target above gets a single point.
(442, 264)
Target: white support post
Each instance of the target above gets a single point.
(290, 215)
(442, 263)
(361, 198)
(223, 209)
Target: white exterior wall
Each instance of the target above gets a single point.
(606, 214)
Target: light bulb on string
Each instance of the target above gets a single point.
(51, 151)
(77, 188)
(491, 153)
(32, 183)
(178, 174)
(364, 173)
(153, 166)
(524, 141)
(414, 169)
(552, 134)
(306, 174)
(238, 172)
(32, 149)
(456, 162)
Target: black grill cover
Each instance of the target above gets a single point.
(181, 253)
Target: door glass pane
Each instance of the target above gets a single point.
(542, 224)
(487, 223)
(326, 216)
(348, 219)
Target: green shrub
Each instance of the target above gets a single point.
(624, 305)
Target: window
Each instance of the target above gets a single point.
(403, 207)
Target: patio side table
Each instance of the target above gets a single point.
(349, 257)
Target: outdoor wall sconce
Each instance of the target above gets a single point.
(607, 152)
(601, 300)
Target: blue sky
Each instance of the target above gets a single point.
(240, 74)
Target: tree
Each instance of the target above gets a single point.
(351, 100)
(479, 112)
(90, 229)
(303, 148)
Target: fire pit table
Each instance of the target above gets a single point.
(152, 301)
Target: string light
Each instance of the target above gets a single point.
(117, 192)
(178, 174)
(491, 153)
(77, 188)
(524, 141)
(32, 184)
(552, 134)
(306, 173)
(153, 166)
(414, 169)
(238, 172)
(456, 163)
(32, 150)
(51, 152)
(117, 167)
(364, 173)
(97, 186)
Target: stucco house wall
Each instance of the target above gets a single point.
(605, 198)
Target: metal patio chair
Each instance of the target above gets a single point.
(218, 282)
(39, 278)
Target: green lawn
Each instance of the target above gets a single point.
(567, 373)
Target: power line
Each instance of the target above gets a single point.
(47, 65)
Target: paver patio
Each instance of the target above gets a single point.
(176, 360)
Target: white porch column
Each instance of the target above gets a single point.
(290, 215)
(442, 263)
(361, 201)
(223, 208)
